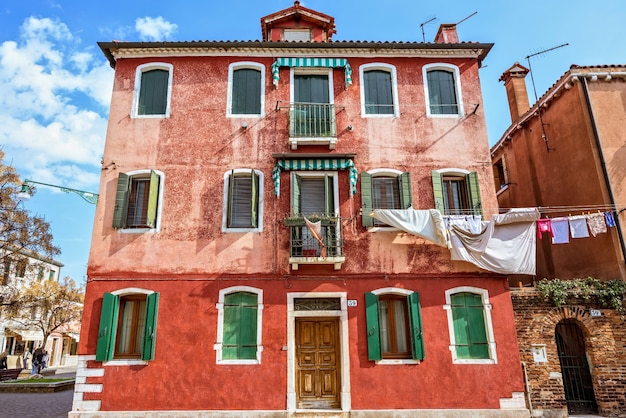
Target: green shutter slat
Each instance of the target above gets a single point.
(366, 200)
(153, 200)
(254, 204)
(415, 318)
(107, 328)
(374, 350)
(248, 327)
(406, 194)
(295, 193)
(120, 210)
(473, 192)
(149, 337)
(438, 192)
(231, 196)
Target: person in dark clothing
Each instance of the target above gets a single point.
(37, 360)
(3, 360)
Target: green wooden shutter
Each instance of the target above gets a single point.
(406, 194)
(246, 92)
(107, 328)
(248, 326)
(295, 194)
(461, 326)
(374, 350)
(440, 204)
(153, 200)
(153, 92)
(329, 195)
(415, 320)
(231, 196)
(254, 204)
(366, 200)
(479, 347)
(149, 337)
(473, 193)
(121, 201)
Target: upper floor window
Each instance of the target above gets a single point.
(243, 201)
(499, 174)
(138, 200)
(297, 35)
(21, 267)
(443, 92)
(457, 192)
(384, 189)
(127, 325)
(394, 325)
(470, 326)
(239, 325)
(379, 90)
(246, 89)
(6, 271)
(153, 88)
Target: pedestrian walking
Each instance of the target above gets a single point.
(25, 357)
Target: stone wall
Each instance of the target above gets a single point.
(605, 344)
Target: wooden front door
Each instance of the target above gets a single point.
(317, 363)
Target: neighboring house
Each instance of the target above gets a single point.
(208, 289)
(19, 270)
(567, 155)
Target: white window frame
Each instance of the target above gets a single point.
(157, 228)
(311, 71)
(138, 73)
(493, 358)
(229, 99)
(394, 88)
(121, 361)
(387, 172)
(220, 324)
(227, 175)
(457, 83)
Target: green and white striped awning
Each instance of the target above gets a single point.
(315, 165)
(311, 62)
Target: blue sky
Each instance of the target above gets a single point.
(55, 84)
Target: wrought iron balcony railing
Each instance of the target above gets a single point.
(306, 249)
(312, 120)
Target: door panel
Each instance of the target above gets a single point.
(317, 368)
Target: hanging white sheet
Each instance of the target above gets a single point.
(507, 244)
(427, 224)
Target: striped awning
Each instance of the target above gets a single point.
(315, 165)
(311, 62)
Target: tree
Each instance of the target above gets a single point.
(48, 305)
(23, 236)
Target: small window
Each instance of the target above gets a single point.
(239, 326)
(51, 275)
(297, 35)
(6, 273)
(499, 175)
(243, 201)
(40, 273)
(394, 325)
(442, 90)
(384, 190)
(246, 89)
(470, 326)
(137, 201)
(127, 326)
(153, 84)
(378, 90)
(457, 194)
(20, 268)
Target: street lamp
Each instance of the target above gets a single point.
(27, 191)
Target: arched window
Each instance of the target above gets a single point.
(243, 201)
(138, 200)
(379, 94)
(384, 189)
(443, 90)
(246, 89)
(153, 88)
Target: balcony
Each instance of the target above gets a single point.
(312, 124)
(305, 249)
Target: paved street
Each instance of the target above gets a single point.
(36, 405)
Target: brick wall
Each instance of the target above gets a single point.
(605, 344)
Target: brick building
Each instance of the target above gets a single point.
(235, 269)
(566, 155)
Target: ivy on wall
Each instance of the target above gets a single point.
(609, 292)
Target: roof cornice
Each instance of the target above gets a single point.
(116, 50)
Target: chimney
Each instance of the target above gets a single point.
(447, 34)
(515, 84)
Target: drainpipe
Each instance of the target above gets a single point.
(596, 136)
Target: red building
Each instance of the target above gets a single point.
(210, 293)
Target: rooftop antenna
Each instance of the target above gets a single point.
(463, 20)
(422, 27)
(532, 80)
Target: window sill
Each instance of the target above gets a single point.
(296, 261)
(330, 141)
(240, 230)
(397, 361)
(137, 230)
(164, 116)
(473, 361)
(244, 115)
(502, 190)
(383, 229)
(125, 362)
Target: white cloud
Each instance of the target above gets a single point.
(154, 29)
(54, 99)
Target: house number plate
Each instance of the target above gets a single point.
(352, 303)
(595, 312)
